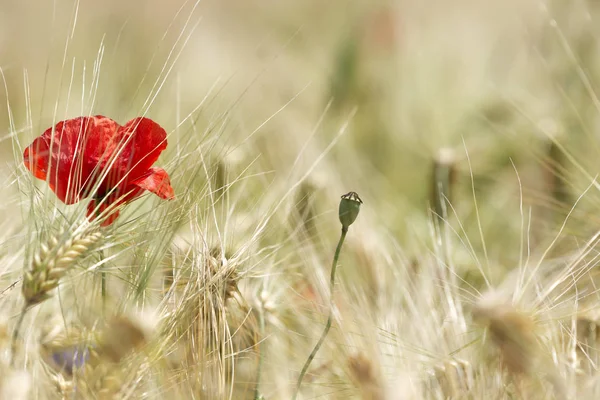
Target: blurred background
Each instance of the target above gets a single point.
(498, 97)
(469, 128)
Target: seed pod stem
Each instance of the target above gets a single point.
(329, 318)
(348, 211)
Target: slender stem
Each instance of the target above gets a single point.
(103, 278)
(103, 283)
(15, 335)
(261, 354)
(102, 271)
(329, 318)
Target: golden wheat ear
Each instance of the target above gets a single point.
(512, 331)
(452, 378)
(50, 263)
(515, 333)
(366, 377)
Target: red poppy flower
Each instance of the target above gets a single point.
(96, 157)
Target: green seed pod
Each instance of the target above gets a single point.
(349, 208)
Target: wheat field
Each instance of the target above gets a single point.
(469, 129)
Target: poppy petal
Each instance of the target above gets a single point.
(137, 145)
(95, 210)
(94, 156)
(157, 181)
(66, 155)
(108, 208)
(35, 158)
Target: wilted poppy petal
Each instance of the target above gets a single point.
(157, 182)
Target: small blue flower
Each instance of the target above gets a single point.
(70, 358)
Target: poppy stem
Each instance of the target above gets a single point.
(103, 283)
(103, 277)
(329, 318)
(15, 335)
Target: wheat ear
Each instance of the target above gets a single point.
(50, 264)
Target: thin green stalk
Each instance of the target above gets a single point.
(261, 354)
(103, 283)
(15, 335)
(102, 273)
(329, 318)
(103, 289)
